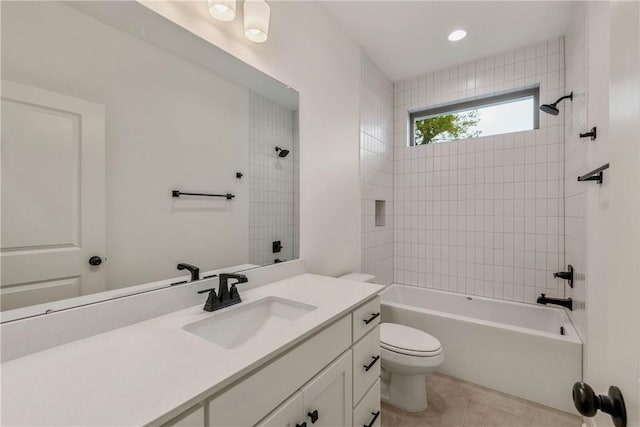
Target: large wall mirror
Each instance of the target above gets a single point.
(107, 110)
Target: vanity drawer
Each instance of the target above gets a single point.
(242, 405)
(369, 406)
(365, 318)
(366, 363)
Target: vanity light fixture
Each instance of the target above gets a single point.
(223, 10)
(256, 20)
(457, 35)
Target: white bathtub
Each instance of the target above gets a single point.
(507, 346)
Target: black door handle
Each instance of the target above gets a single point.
(373, 362)
(313, 415)
(588, 402)
(375, 417)
(95, 260)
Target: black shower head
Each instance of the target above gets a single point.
(551, 108)
(282, 152)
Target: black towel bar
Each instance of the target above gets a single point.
(594, 175)
(178, 193)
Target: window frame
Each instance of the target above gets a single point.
(471, 103)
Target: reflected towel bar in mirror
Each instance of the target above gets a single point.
(594, 175)
(178, 193)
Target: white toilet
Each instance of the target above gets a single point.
(408, 356)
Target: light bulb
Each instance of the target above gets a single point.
(223, 10)
(256, 20)
(457, 35)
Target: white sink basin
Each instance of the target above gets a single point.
(243, 322)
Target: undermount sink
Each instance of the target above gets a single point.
(244, 322)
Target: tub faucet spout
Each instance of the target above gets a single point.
(566, 303)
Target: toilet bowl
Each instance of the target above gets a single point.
(408, 356)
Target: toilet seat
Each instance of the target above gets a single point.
(408, 341)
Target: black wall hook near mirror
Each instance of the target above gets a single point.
(591, 134)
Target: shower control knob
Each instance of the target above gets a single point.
(95, 260)
(587, 402)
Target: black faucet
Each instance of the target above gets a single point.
(226, 296)
(565, 275)
(567, 303)
(195, 271)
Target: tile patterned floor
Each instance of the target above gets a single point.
(456, 403)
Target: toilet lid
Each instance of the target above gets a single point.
(403, 339)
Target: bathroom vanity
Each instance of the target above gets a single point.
(302, 349)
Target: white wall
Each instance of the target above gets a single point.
(307, 50)
(271, 181)
(169, 124)
(483, 216)
(376, 170)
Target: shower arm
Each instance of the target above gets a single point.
(570, 96)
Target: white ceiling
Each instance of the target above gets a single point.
(409, 38)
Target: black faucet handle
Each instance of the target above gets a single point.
(204, 291)
(233, 292)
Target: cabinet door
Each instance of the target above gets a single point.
(328, 396)
(289, 414)
(192, 418)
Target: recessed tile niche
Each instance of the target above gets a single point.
(381, 216)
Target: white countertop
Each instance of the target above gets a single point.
(149, 372)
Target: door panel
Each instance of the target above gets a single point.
(53, 209)
(330, 393)
(39, 197)
(289, 414)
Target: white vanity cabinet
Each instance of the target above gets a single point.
(366, 364)
(325, 401)
(330, 379)
(192, 418)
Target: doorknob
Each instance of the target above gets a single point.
(95, 260)
(588, 402)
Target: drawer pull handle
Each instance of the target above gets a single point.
(313, 415)
(373, 362)
(375, 417)
(304, 424)
(371, 319)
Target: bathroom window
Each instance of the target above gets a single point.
(486, 116)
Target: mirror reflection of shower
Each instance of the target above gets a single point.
(282, 152)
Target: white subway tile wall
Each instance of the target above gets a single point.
(376, 169)
(483, 216)
(272, 181)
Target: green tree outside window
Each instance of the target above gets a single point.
(446, 128)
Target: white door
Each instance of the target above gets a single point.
(613, 210)
(53, 196)
(328, 396)
(623, 226)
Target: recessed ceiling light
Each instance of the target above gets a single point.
(224, 10)
(457, 35)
